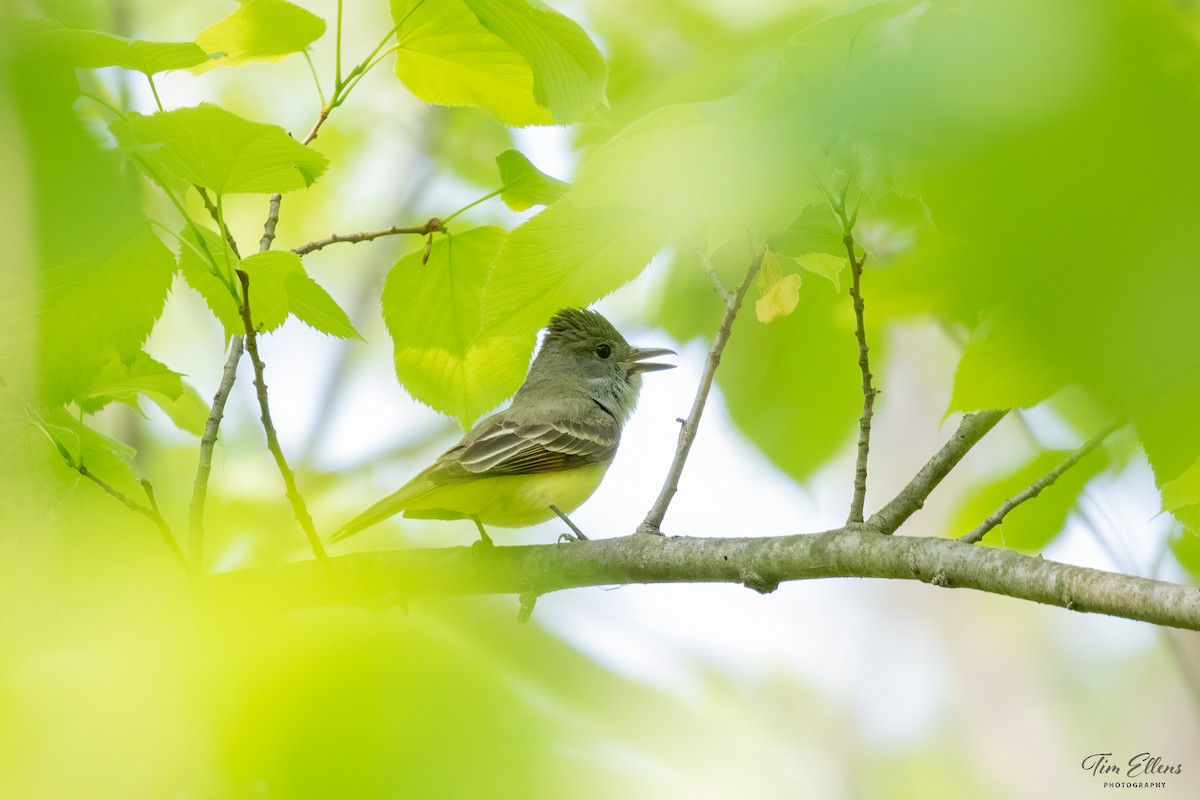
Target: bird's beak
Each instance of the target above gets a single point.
(638, 355)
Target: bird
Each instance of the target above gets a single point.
(549, 450)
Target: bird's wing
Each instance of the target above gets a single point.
(504, 446)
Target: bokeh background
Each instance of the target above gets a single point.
(115, 683)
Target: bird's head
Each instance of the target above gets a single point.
(584, 351)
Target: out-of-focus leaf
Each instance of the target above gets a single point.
(432, 311)
(1184, 490)
(92, 49)
(524, 184)
(565, 256)
(714, 168)
(569, 74)
(98, 308)
(780, 300)
(996, 372)
(188, 411)
(816, 230)
(106, 457)
(449, 58)
(1185, 546)
(260, 30)
(825, 265)
(209, 146)
(1033, 524)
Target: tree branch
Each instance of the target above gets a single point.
(272, 220)
(859, 500)
(433, 224)
(150, 512)
(912, 497)
(687, 431)
(299, 508)
(758, 563)
(207, 442)
(1035, 489)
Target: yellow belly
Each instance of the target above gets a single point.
(510, 501)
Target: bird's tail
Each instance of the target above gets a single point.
(389, 506)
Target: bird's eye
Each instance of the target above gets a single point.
(603, 350)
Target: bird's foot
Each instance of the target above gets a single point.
(576, 535)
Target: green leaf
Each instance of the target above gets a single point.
(432, 311)
(200, 274)
(1033, 524)
(1000, 368)
(279, 286)
(311, 304)
(449, 58)
(209, 146)
(123, 382)
(1184, 490)
(92, 49)
(816, 230)
(715, 167)
(98, 308)
(524, 184)
(565, 256)
(188, 411)
(1185, 545)
(260, 30)
(569, 74)
(825, 265)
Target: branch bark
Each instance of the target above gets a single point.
(687, 430)
(207, 442)
(757, 563)
(912, 497)
(859, 500)
(299, 508)
(433, 224)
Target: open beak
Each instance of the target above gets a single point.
(638, 355)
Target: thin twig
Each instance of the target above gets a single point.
(869, 391)
(434, 224)
(207, 442)
(150, 512)
(687, 431)
(1035, 488)
(289, 478)
(912, 497)
(711, 271)
(272, 220)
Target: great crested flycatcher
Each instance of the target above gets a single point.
(547, 452)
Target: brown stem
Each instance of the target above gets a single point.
(299, 508)
(434, 224)
(207, 442)
(858, 502)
